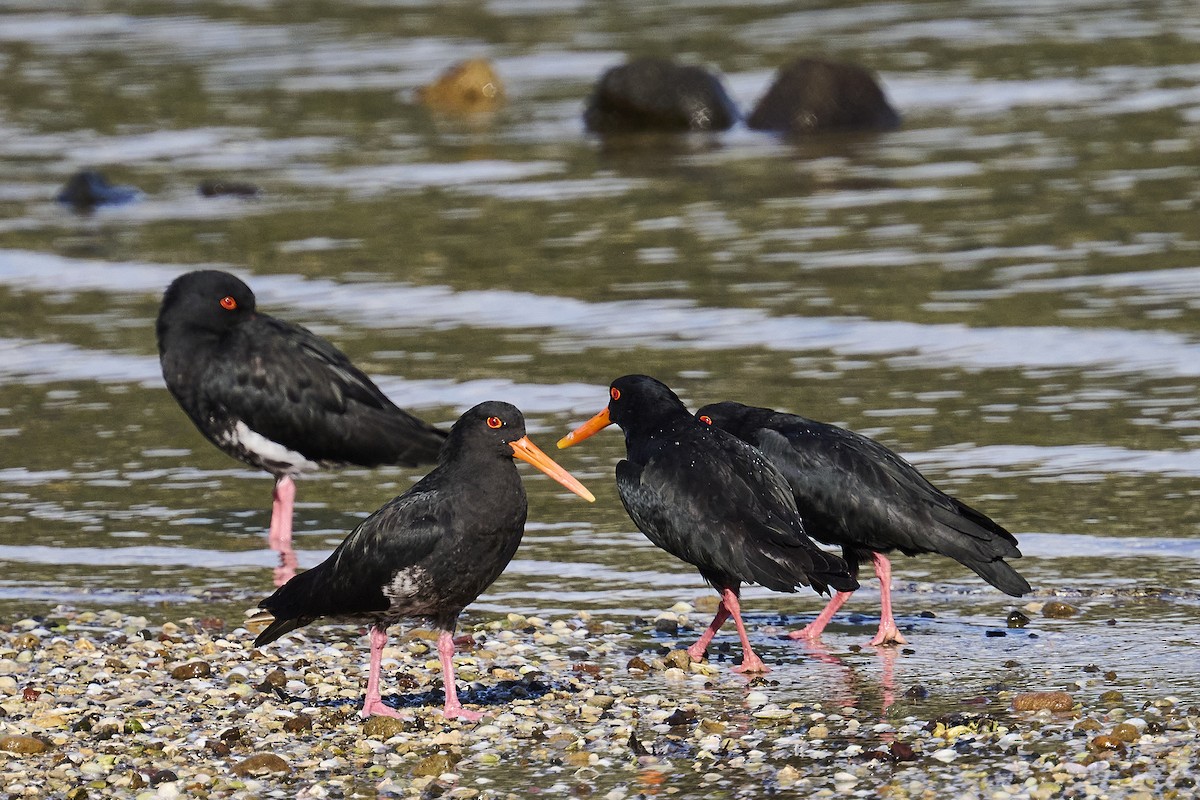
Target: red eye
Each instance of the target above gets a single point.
(494, 422)
(707, 420)
(615, 393)
(228, 303)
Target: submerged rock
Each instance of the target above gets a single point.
(213, 187)
(656, 94)
(811, 95)
(88, 188)
(470, 86)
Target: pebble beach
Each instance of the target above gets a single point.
(107, 704)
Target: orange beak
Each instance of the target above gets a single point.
(593, 425)
(529, 452)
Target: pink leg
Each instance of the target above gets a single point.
(281, 513)
(696, 651)
(373, 704)
(453, 709)
(750, 662)
(812, 631)
(280, 537)
(888, 632)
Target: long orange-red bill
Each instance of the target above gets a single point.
(596, 423)
(528, 451)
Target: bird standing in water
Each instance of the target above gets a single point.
(854, 492)
(429, 552)
(710, 499)
(275, 395)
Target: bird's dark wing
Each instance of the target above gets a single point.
(295, 388)
(718, 504)
(855, 492)
(352, 581)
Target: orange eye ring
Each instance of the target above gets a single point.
(706, 419)
(228, 303)
(614, 393)
(495, 422)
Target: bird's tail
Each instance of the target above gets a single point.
(980, 544)
(783, 569)
(999, 574)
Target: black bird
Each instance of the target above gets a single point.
(854, 492)
(429, 552)
(712, 500)
(274, 394)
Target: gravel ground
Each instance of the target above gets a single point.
(103, 704)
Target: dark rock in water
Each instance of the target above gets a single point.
(656, 94)
(213, 187)
(88, 189)
(1016, 619)
(259, 763)
(811, 95)
(666, 625)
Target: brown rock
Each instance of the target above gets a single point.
(192, 669)
(1037, 701)
(1087, 725)
(25, 641)
(1057, 609)
(468, 87)
(260, 763)
(433, 765)
(384, 727)
(23, 745)
(1105, 742)
(1112, 697)
(639, 663)
(1126, 732)
(298, 724)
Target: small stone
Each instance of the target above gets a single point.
(383, 728)
(1057, 609)
(1016, 619)
(666, 625)
(1038, 701)
(259, 763)
(916, 692)
(1112, 697)
(23, 745)
(638, 663)
(300, 723)
(1087, 725)
(433, 765)
(193, 669)
(1126, 732)
(1104, 742)
(678, 659)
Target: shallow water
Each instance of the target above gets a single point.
(1006, 290)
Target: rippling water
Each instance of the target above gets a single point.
(1006, 290)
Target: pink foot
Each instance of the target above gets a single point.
(808, 633)
(888, 635)
(752, 665)
(458, 712)
(696, 651)
(379, 709)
